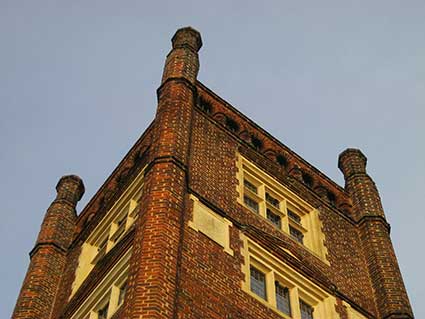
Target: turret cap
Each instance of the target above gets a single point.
(70, 187)
(352, 161)
(187, 36)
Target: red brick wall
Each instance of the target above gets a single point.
(213, 176)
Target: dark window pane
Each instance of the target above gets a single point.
(272, 201)
(103, 244)
(306, 310)
(102, 313)
(122, 220)
(102, 248)
(252, 204)
(296, 234)
(250, 186)
(121, 228)
(274, 218)
(258, 283)
(295, 217)
(123, 290)
(282, 299)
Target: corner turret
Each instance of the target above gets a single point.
(390, 294)
(48, 257)
(183, 61)
(163, 200)
(360, 186)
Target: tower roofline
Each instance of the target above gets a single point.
(137, 147)
(271, 137)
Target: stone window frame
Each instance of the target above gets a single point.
(108, 232)
(116, 222)
(281, 201)
(107, 291)
(300, 288)
(286, 300)
(254, 268)
(122, 220)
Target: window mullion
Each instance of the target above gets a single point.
(270, 284)
(110, 231)
(132, 207)
(295, 303)
(113, 301)
(262, 204)
(285, 222)
(313, 236)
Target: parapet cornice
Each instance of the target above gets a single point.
(114, 183)
(264, 143)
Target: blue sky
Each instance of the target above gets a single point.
(78, 81)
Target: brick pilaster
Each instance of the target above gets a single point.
(390, 293)
(154, 266)
(48, 257)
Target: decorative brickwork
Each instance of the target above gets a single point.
(193, 264)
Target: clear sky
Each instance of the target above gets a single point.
(78, 81)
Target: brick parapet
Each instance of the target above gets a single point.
(259, 140)
(111, 190)
(135, 158)
(275, 170)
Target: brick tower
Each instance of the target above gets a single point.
(209, 216)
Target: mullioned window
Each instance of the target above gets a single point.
(263, 195)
